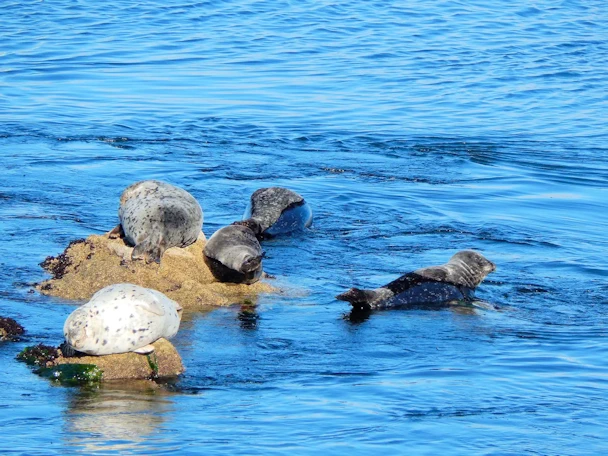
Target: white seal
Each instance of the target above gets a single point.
(122, 318)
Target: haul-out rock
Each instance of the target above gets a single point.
(162, 363)
(88, 265)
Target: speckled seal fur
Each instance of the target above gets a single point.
(155, 216)
(122, 318)
(233, 254)
(276, 210)
(455, 280)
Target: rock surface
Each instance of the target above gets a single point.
(88, 265)
(164, 362)
(10, 329)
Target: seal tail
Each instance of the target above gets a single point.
(150, 249)
(360, 299)
(116, 232)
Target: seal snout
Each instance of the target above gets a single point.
(251, 264)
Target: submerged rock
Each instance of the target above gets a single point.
(10, 329)
(87, 266)
(163, 362)
(72, 374)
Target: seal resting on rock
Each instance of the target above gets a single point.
(121, 318)
(276, 210)
(233, 254)
(155, 216)
(455, 280)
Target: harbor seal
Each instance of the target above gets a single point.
(455, 280)
(233, 254)
(154, 216)
(275, 210)
(122, 318)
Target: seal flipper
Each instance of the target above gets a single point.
(367, 299)
(146, 350)
(67, 350)
(150, 249)
(468, 294)
(152, 307)
(117, 232)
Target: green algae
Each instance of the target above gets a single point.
(72, 374)
(153, 362)
(38, 355)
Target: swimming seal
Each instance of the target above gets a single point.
(155, 216)
(233, 254)
(455, 280)
(122, 318)
(275, 210)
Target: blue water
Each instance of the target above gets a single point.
(413, 130)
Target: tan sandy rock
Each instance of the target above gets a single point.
(87, 266)
(163, 362)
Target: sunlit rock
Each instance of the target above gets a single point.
(162, 363)
(87, 266)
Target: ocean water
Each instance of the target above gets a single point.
(414, 130)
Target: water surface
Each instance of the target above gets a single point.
(413, 131)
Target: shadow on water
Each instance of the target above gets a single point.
(248, 317)
(359, 315)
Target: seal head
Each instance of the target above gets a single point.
(233, 254)
(155, 216)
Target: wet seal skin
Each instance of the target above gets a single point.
(275, 210)
(155, 216)
(455, 280)
(121, 318)
(233, 254)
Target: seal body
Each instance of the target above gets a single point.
(233, 254)
(277, 210)
(155, 216)
(455, 280)
(122, 318)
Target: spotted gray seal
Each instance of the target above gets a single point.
(122, 318)
(276, 210)
(155, 215)
(455, 280)
(233, 254)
